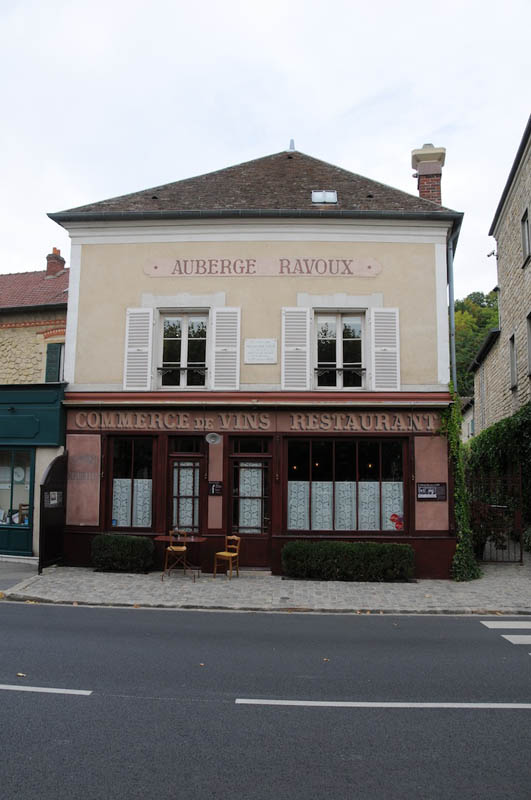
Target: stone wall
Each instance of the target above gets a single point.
(23, 340)
(514, 280)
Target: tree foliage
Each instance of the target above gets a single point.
(475, 316)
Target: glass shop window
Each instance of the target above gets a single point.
(345, 485)
(185, 444)
(132, 461)
(15, 482)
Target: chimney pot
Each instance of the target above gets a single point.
(55, 263)
(428, 162)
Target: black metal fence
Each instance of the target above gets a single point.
(496, 517)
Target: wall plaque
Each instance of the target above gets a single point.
(431, 491)
(215, 488)
(260, 351)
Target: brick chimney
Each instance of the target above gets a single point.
(429, 161)
(55, 262)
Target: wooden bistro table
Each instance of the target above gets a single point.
(195, 540)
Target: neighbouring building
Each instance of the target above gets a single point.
(502, 367)
(32, 333)
(262, 350)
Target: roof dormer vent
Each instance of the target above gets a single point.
(322, 196)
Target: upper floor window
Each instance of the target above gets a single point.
(55, 353)
(184, 343)
(512, 362)
(526, 241)
(339, 361)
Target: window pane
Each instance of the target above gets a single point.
(351, 327)
(392, 487)
(298, 460)
(250, 444)
(345, 461)
(122, 458)
(6, 478)
(185, 444)
(326, 352)
(172, 328)
(326, 328)
(196, 351)
(298, 485)
(171, 377)
(143, 458)
(195, 378)
(171, 352)
(322, 461)
(197, 328)
(369, 461)
(391, 461)
(351, 378)
(352, 351)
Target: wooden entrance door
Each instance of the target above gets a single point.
(250, 511)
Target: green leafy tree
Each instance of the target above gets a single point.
(475, 316)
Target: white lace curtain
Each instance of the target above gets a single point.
(185, 491)
(121, 502)
(324, 508)
(250, 496)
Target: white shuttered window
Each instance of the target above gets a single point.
(295, 348)
(385, 350)
(138, 349)
(226, 372)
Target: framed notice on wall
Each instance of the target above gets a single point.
(431, 491)
(260, 351)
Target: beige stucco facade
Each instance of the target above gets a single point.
(405, 275)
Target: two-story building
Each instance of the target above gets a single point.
(262, 350)
(502, 367)
(32, 332)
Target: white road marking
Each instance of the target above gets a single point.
(345, 704)
(508, 625)
(45, 689)
(515, 639)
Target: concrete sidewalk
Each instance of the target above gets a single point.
(503, 589)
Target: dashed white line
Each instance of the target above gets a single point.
(516, 639)
(45, 689)
(509, 625)
(345, 704)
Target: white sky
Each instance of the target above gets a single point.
(104, 97)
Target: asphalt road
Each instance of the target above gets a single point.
(162, 720)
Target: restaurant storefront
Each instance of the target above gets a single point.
(267, 472)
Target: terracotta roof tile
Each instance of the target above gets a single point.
(29, 289)
(281, 182)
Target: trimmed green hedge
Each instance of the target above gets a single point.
(114, 552)
(348, 561)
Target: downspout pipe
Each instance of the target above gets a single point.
(452, 241)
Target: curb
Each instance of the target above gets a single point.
(463, 611)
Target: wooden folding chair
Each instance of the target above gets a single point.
(176, 553)
(231, 554)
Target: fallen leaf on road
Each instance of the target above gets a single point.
(30, 601)
(2, 595)
(75, 603)
(201, 665)
(136, 605)
(427, 595)
(326, 659)
(21, 674)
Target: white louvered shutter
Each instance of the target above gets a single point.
(226, 348)
(385, 350)
(138, 349)
(295, 348)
